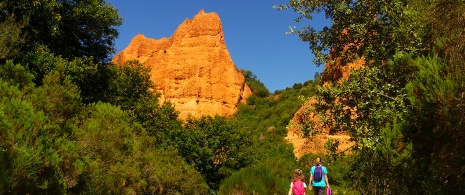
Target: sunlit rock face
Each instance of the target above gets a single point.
(193, 68)
(317, 143)
(333, 72)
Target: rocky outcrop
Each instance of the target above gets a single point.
(332, 73)
(193, 68)
(315, 144)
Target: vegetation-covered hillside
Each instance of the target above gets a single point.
(72, 123)
(404, 110)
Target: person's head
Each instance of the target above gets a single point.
(318, 161)
(298, 175)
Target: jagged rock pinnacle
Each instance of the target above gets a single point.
(192, 68)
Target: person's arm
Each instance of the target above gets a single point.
(326, 180)
(305, 186)
(290, 190)
(310, 186)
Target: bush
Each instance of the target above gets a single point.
(254, 180)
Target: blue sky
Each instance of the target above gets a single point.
(255, 34)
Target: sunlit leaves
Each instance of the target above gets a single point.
(372, 29)
(10, 38)
(214, 146)
(67, 28)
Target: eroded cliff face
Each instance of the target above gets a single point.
(193, 68)
(317, 143)
(302, 146)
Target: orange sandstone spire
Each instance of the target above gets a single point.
(192, 68)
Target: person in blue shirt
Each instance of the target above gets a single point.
(318, 187)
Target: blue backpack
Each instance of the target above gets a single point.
(318, 173)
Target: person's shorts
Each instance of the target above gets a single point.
(317, 190)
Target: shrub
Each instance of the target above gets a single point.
(254, 180)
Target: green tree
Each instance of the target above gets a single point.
(257, 87)
(52, 143)
(130, 88)
(91, 78)
(129, 83)
(16, 74)
(266, 118)
(54, 138)
(437, 102)
(27, 160)
(67, 28)
(113, 155)
(375, 30)
(214, 146)
(58, 98)
(388, 107)
(254, 180)
(445, 26)
(10, 38)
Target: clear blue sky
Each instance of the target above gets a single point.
(255, 34)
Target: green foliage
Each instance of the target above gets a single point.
(58, 98)
(41, 62)
(431, 84)
(27, 160)
(375, 96)
(91, 78)
(375, 30)
(257, 87)
(52, 143)
(116, 156)
(67, 28)
(173, 174)
(437, 95)
(255, 180)
(393, 128)
(403, 108)
(280, 160)
(107, 143)
(372, 107)
(130, 82)
(10, 37)
(270, 115)
(130, 88)
(214, 146)
(266, 118)
(446, 28)
(15, 74)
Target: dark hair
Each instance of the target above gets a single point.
(318, 161)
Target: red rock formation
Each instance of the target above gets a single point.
(334, 72)
(315, 145)
(192, 68)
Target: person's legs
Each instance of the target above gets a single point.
(322, 191)
(318, 190)
(315, 190)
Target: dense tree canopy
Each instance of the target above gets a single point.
(403, 109)
(67, 28)
(70, 122)
(358, 26)
(53, 143)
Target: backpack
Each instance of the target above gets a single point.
(298, 187)
(318, 173)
